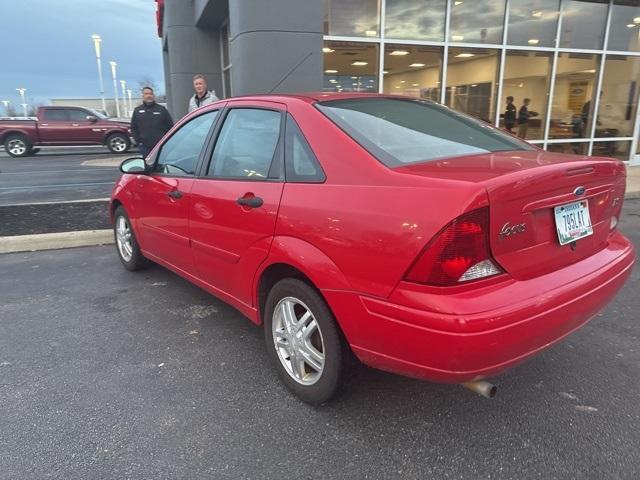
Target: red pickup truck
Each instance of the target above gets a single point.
(63, 126)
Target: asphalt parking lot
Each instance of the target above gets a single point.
(110, 374)
(57, 175)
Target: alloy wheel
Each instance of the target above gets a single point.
(118, 144)
(298, 341)
(17, 147)
(123, 238)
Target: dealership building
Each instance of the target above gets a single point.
(577, 61)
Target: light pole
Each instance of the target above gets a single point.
(96, 43)
(24, 102)
(6, 106)
(125, 109)
(130, 102)
(115, 85)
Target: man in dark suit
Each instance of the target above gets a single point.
(149, 122)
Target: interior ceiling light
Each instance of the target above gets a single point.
(465, 55)
(331, 71)
(399, 52)
(370, 33)
(457, 38)
(455, 4)
(359, 63)
(636, 20)
(536, 13)
(327, 50)
(533, 41)
(631, 25)
(384, 72)
(417, 65)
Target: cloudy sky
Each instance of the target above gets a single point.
(47, 48)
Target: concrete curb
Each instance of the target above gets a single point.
(52, 241)
(631, 195)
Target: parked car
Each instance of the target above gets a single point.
(63, 126)
(423, 241)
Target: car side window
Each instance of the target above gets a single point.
(56, 115)
(77, 115)
(246, 144)
(301, 164)
(179, 154)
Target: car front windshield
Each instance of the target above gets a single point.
(404, 131)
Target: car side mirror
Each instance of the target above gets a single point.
(92, 119)
(134, 165)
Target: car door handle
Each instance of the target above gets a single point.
(175, 194)
(251, 202)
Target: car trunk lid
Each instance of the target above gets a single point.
(523, 188)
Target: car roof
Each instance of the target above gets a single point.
(311, 97)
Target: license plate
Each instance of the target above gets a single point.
(573, 221)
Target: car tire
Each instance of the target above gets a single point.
(308, 352)
(118, 143)
(127, 246)
(17, 145)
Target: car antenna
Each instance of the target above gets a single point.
(290, 72)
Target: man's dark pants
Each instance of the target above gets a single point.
(144, 150)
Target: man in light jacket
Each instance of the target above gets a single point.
(202, 96)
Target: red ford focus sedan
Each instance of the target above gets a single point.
(424, 241)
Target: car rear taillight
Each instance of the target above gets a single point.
(457, 254)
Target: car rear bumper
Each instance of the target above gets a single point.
(456, 338)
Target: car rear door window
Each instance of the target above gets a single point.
(301, 164)
(179, 154)
(56, 115)
(246, 145)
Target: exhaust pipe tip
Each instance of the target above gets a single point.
(481, 387)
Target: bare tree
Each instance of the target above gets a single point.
(147, 81)
(32, 109)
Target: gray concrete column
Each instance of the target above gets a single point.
(191, 50)
(275, 45)
(167, 75)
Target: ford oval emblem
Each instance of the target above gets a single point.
(578, 192)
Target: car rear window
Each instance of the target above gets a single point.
(403, 131)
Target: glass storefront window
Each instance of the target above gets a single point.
(583, 24)
(350, 67)
(477, 21)
(533, 22)
(356, 18)
(527, 80)
(413, 70)
(471, 81)
(572, 107)
(624, 32)
(471, 84)
(619, 150)
(618, 97)
(576, 148)
(415, 19)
